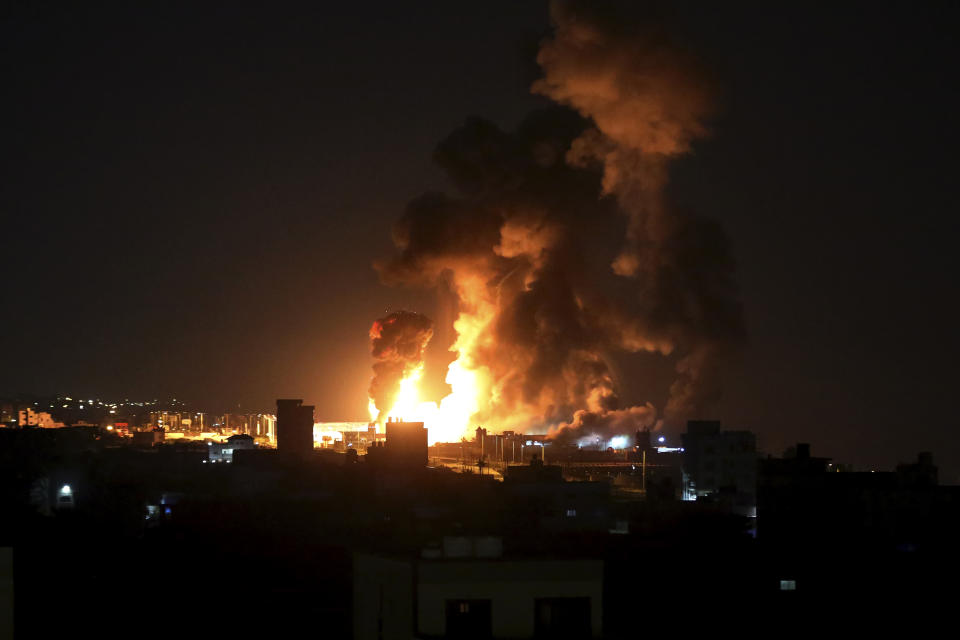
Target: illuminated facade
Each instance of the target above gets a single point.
(30, 418)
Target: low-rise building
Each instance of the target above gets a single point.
(223, 451)
(468, 588)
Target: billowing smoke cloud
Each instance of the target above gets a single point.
(604, 424)
(397, 343)
(526, 246)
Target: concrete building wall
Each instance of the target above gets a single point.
(511, 586)
(387, 590)
(382, 598)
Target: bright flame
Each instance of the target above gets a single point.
(450, 420)
(470, 384)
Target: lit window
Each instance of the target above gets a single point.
(788, 585)
(571, 513)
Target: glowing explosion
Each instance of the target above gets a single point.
(525, 250)
(398, 343)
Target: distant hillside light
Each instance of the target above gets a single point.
(65, 490)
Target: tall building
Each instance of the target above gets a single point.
(27, 417)
(263, 425)
(720, 464)
(171, 420)
(269, 427)
(294, 427)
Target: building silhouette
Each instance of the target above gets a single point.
(720, 465)
(406, 443)
(294, 427)
(467, 587)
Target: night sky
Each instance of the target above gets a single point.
(193, 197)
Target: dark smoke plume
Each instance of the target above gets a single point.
(648, 103)
(397, 343)
(526, 245)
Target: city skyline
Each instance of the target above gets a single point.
(477, 320)
(201, 219)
